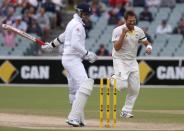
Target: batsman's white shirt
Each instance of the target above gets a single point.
(75, 35)
(126, 68)
(73, 53)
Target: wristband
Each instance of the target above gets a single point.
(59, 40)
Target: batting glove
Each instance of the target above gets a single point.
(92, 57)
(47, 45)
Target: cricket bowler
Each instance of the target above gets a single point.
(125, 39)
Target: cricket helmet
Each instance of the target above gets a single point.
(84, 7)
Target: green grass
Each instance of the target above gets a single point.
(42, 101)
(158, 99)
(53, 101)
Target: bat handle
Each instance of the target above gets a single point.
(40, 42)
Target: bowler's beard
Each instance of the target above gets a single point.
(130, 27)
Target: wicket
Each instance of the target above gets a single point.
(108, 82)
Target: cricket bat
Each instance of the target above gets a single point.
(23, 34)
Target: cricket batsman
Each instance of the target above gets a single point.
(125, 40)
(73, 45)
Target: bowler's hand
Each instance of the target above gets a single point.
(148, 49)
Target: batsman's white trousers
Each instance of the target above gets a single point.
(127, 74)
(76, 74)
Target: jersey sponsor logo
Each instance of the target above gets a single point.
(8, 71)
(78, 30)
(170, 72)
(146, 72)
(136, 36)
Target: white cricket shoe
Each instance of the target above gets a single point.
(125, 114)
(74, 123)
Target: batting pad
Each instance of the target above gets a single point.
(86, 86)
